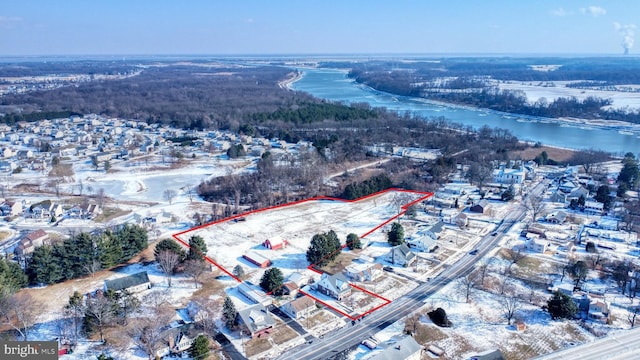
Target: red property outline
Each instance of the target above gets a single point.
(404, 208)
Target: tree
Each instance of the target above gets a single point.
(396, 234)
(197, 248)
(602, 195)
(148, 332)
(630, 173)
(195, 268)
(591, 247)
(561, 306)
(324, 248)
(99, 313)
(620, 273)
(171, 245)
(20, 311)
(439, 317)
(479, 174)
(508, 194)
(353, 241)
(632, 315)
(514, 255)
(75, 308)
(107, 165)
(206, 313)
(467, 283)
(272, 280)
(238, 271)
(169, 195)
(509, 306)
(200, 347)
(578, 272)
(535, 205)
(229, 313)
(168, 260)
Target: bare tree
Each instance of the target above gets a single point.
(168, 260)
(535, 205)
(466, 284)
(207, 313)
(20, 311)
(514, 255)
(509, 306)
(482, 270)
(99, 309)
(632, 314)
(169, 195)
(149, 331)
(100, 197)
(195, 268)
(92, 267)
(412, 322)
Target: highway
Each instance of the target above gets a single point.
(618, 346)
(350, 336)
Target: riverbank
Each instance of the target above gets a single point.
(286, 83)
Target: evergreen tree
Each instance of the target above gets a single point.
(111, 249)
(44, 266)
(561, 306)
(197, 248)
(229, 313)
(272, 281)
(324, 248)
(238, 271)
(13, 275)
(396, 234)
(171, 245)
(508, 194)
(353, 241)
(134, 239)
(602, 195)
(200, 348)
(630, 173)
(75, 308)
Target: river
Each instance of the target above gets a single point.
(334, 85)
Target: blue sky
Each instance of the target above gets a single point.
(100, 27)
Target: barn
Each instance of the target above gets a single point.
(257, 259)
(275, 243)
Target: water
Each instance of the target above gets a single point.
(334, 85)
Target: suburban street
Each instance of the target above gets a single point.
(351, 335)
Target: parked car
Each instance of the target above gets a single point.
(473, 252)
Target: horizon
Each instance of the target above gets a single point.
(226, 28)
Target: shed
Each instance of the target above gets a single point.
(480, 207)
(133, 283)
(257, 259)
(275, 243)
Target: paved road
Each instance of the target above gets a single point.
(351, 335)
(619, 346)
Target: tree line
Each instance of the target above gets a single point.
(84, 254)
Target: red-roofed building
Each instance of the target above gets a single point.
(275, 243)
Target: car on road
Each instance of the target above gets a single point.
(494, 233)
(388, 268)
(473, 252)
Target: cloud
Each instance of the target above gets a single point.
(560, 12)
(628, 33)
(9, 22)
(594, 11)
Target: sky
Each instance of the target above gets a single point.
(255, 27)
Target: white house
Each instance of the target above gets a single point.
(337, 286)
(364, 272)
(505, 175)
(300, 307)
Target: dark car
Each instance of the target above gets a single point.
(473, 252)
(388, 268)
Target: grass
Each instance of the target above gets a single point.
(340, 263)
(519, 351)
(428, 334)
(209, 286)
(109, 213)
(282, 333)
(256, 346)
(320, 317)
(4, 235)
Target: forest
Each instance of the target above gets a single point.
(465, 82)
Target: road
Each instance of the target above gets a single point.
(619, 346)
(350, 336)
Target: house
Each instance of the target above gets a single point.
(363, 272)
(290, 289)
(480, 207)
(337, 286)
(537, 245)
(90, 211)
(401, 255)
(404, 347)
(598, 309)
(257, 259)
(556, 217)
(133, 283)
(300, 307)
(275, 243)
(30, 241)
(254, 294)
(256, 320)
(300, 279)
(506, 175)
(11, 208)
(594, 207)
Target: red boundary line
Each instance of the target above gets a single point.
(311, 267)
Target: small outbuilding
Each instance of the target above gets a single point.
(257, 259)
(275, 243)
